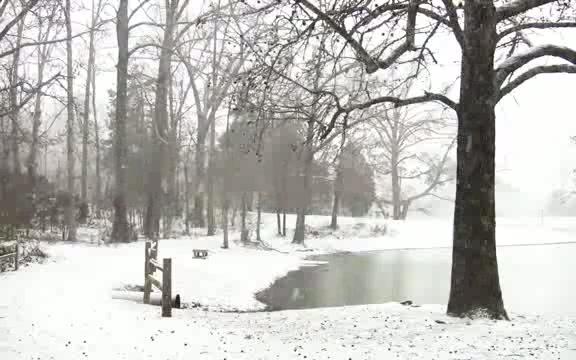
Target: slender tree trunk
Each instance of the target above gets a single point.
(302, 210)
(200, 168)
(186, 197)
(338, 184)
(225, 209)
(120, 229)
(98, 190)
(396, 191)
(32, 162)
(234, 214)
(278, 221)
(86, 119)
(259, 217)
(14, 106)
(404, 210)
(475, 286)
(243, 213)
(210, 178)
(69, 211)
(284, 222)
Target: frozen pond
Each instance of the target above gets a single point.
(534, 278)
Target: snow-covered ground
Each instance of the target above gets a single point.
(63, 309)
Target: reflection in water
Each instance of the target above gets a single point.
(534, 279)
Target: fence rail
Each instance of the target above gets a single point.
(151, 265)
(12, 255)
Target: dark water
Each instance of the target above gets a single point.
(535, 278)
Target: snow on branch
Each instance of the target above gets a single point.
(517, 7)
(535, 25)
(547, 69)
(513, 63)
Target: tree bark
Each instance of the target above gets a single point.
(200, 168)
(98, 190)
(210, 178)
(243, 214)
(155, 198)
(70, 218)
(120, 230)
(299, 232)
(86, 118)
(395, 182)
(278, 221)
(338, 184)
(186, 197)
(32, 161)
(475, 286)
(14, 106)
(259, 217)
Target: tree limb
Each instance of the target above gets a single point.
(537, 25)
(513, 63)
(372, 65)
(549, 69)
(518, 7)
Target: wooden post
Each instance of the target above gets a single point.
(147, 284)
(16, 258)
(167, 288)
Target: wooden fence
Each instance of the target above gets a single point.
(151, 265)
(13, 255)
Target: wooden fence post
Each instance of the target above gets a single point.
(167, 288)
(147, 283)
(16, 258)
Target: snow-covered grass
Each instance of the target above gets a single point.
(63, 309)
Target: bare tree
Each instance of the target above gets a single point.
(69, 211)
(44, 34)
(96, 9)
(120, 229)
(401, 154)
(475, 286)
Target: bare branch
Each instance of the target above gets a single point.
(550, 69)
(398, 102)
(536, 25)
(454, 24)
(518, 7)
(38, 43)
(372, 64)
(18, 17)
(515, 62)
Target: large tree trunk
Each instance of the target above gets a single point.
(304, 198)
(70, 218)
(475, 287)
(120, 230)
(154, 208)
